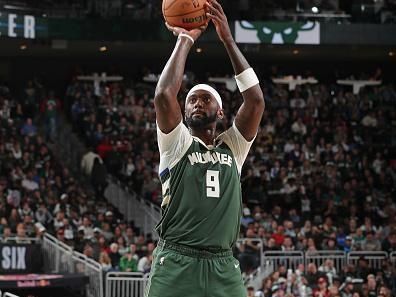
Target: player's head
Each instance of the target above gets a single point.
(203, 106)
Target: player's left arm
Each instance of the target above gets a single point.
(251, 111)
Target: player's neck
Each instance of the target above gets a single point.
(207, 134)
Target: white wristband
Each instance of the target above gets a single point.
(246, 79)
(187, 36)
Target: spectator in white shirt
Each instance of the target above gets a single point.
(144, 264)
(370, 120)
(328, 268)
(87, 162)
(299, 127)
(58, 221)
(28, 183)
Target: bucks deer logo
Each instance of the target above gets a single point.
(277, 32)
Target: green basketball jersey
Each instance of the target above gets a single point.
(201, 188)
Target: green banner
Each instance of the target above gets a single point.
(277, 32)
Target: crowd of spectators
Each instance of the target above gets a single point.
(39, 194)
(350, 282)
(321, 174)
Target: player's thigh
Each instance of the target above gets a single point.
(226, 279)
(173, 275)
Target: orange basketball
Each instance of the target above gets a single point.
(188, 14)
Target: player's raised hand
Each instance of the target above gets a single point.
(216, 14)
(194, 33)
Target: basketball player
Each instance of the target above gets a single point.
(200, 175)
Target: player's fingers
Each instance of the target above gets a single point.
(217, 5)
(203, 27)
(213, 17)
(216, 23)
(215, 11)
(175, 30)
(170, 28)
(211, 9)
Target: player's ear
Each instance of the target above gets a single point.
(220, 114)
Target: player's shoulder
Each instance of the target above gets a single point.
(230, 134)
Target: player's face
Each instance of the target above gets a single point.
(202, 109)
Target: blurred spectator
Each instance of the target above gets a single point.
(128, 263)
(60, 235)
(371, 243)
(21, 236)
(249, 252)
(389, 243)
(87, 162)
(328, 268)
(49, 109)
(145, 263)
(312, 274)
(371, 286)
(250, 291)
(105, 261)
(99, 177)
(246, 217)
(322, 290)
(363, 269)
(29, 129)
(42, 214)
(114, 256)
(88, 250)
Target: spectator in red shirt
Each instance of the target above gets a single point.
(278, 235)
(322, 290)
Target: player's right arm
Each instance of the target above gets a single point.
(167, 108)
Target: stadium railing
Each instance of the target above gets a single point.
(375, 259)
(144, 213)
(290, 259)
(57, 255)
(61, 258)
(92, 269)
(393, 258)
(319, 257)
(15, 239)
(260, 243)
(125, 284)
(255, 278)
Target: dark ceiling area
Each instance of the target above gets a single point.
(158, 50)
(57, 60)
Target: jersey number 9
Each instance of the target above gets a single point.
(212, 184)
